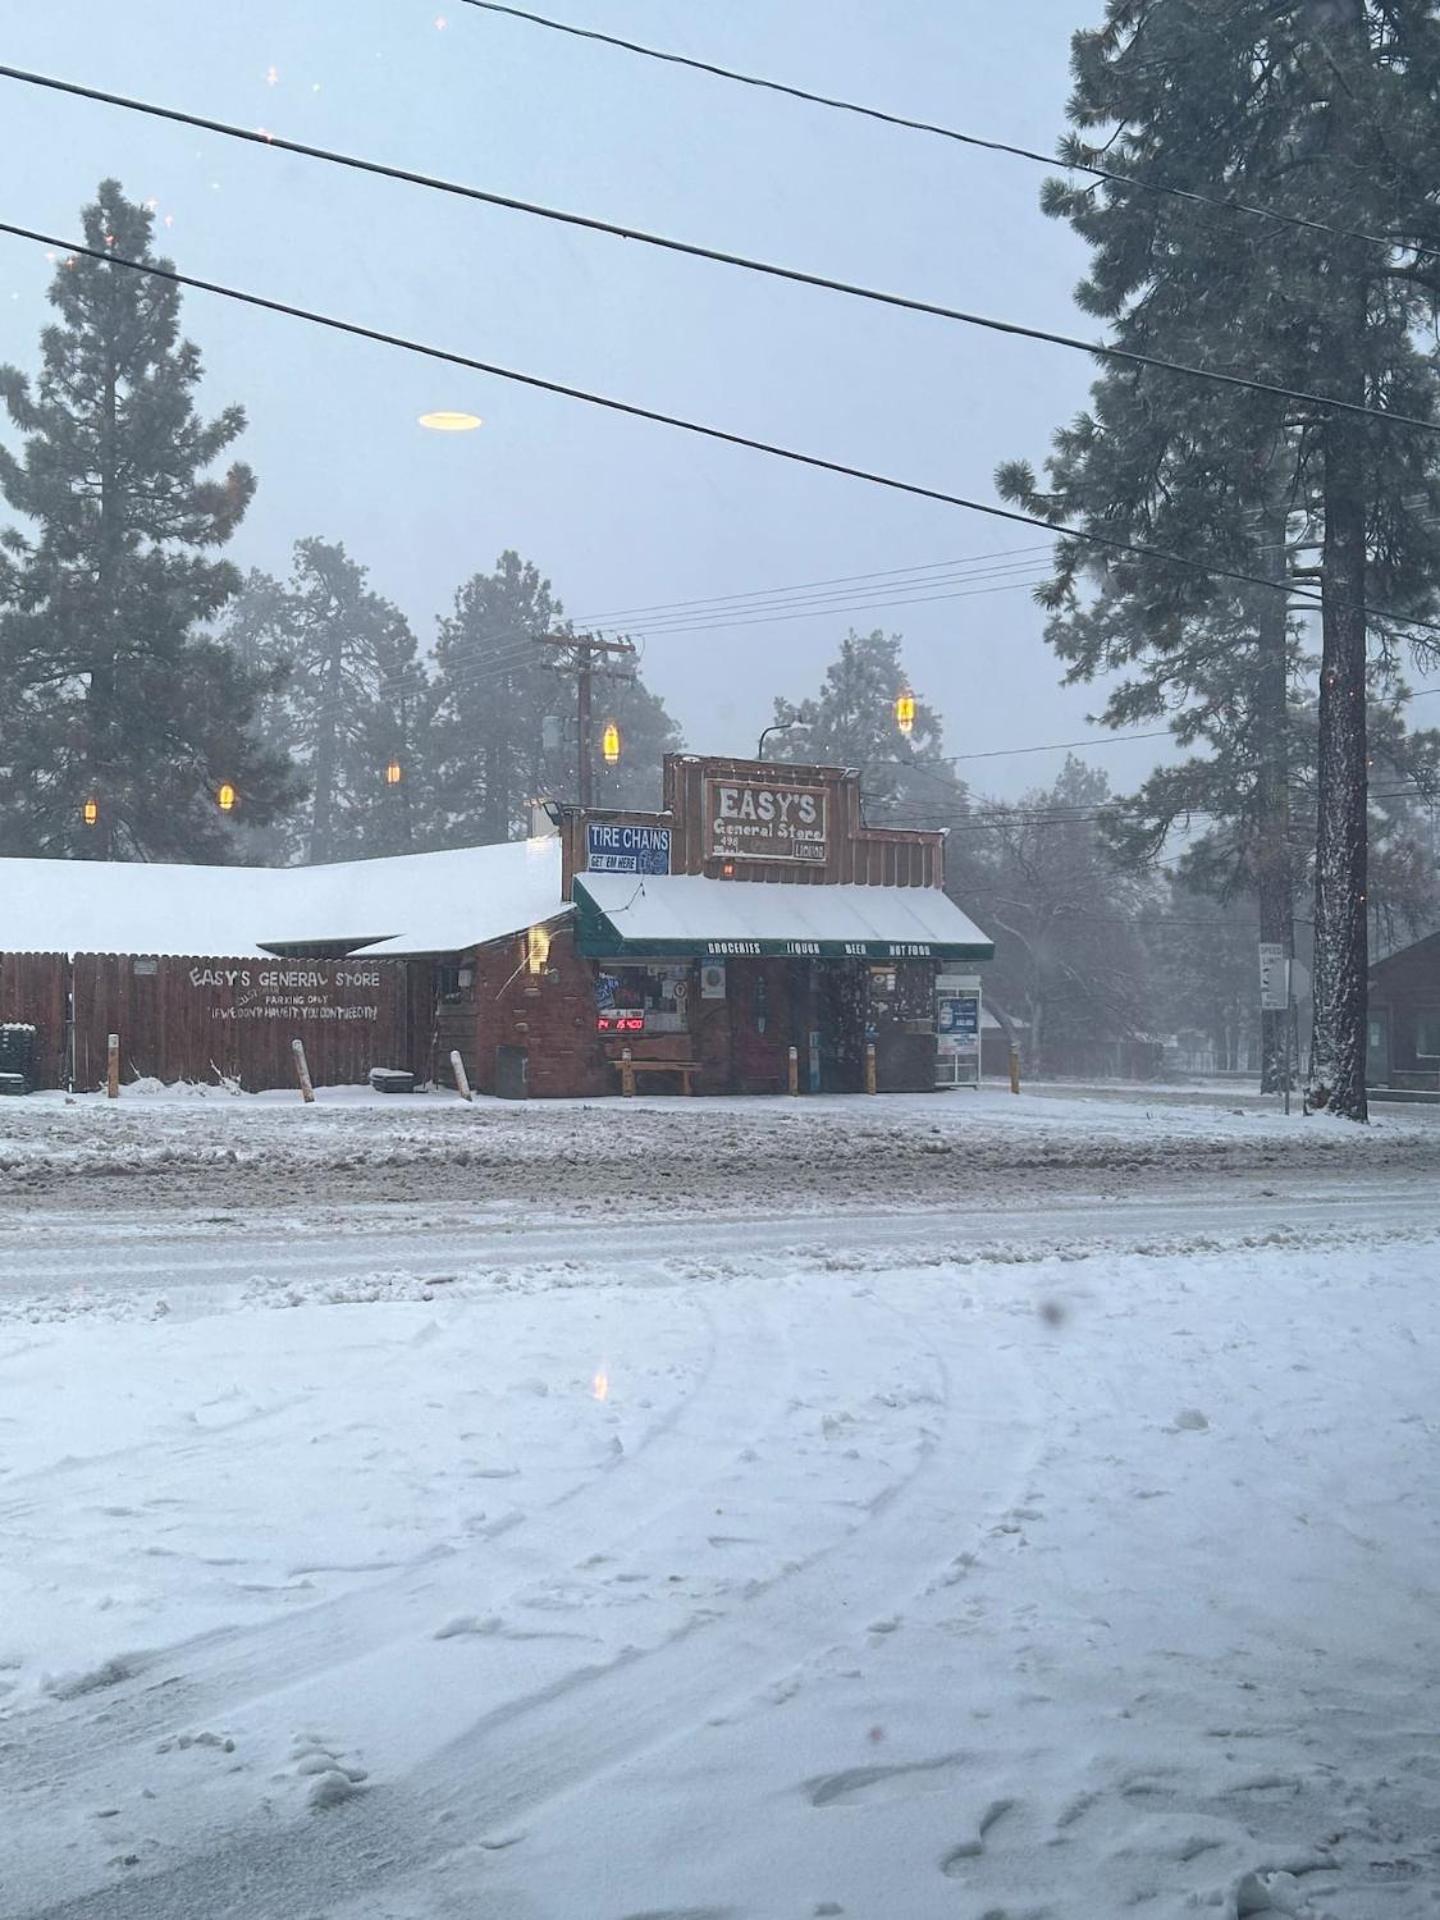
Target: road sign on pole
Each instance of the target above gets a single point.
(1274, 977)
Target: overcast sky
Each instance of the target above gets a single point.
(619, 514)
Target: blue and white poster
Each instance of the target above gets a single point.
(613, 849)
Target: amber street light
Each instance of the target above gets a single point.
(394, 774)
(610, 744)
(905, 713)
(225, 797)
(90, 812)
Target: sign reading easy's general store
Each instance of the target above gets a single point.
(765, 820)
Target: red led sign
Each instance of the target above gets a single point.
(620, 1023)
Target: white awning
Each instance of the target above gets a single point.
(690, 914)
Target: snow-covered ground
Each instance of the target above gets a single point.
(1069, 1555)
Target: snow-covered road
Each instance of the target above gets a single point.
(1063, 1558)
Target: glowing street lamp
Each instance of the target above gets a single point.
(225, 797)
(610, 744)
(905, 713)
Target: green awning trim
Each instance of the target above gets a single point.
(597, 938)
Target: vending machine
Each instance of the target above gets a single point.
(957, 1030)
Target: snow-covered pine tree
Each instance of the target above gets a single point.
(1326, 111)
(349, 693)
(112, 690)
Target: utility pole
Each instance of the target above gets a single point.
(585, 648)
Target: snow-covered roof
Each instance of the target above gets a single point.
(410, 903)
(689, 910)
(425, 902)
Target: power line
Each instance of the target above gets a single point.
(1126, 356)
(837, 580)
(632, 410)
(1050, 161)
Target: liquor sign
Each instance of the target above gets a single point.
(614, 849)
(1274, 977)
(766, 820)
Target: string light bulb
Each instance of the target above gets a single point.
(394, 773)
(905, 713)
(610, 744)
(225, 797)
(90, 812)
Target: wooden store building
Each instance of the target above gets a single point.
(751, 935)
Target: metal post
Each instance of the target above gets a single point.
(793, 1070)
(627, 1073)
(869, 1066)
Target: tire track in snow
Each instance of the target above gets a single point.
(586, 1719)
(90, 1744)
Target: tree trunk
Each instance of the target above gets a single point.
(1337, 1043)
(1273, 879)
(322, 814)
(102, 694)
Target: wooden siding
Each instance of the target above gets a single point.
(205, 1018)
(35, 991)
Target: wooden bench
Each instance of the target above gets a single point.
(627, 1069)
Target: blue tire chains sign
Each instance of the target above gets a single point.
(612, 849)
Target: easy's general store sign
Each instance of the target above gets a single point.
(313, 990)
(755, 820)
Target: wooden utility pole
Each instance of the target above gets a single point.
(585, 647)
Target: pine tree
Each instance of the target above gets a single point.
(347, 703)
(647, 734)
(489, 748)
(853, 722)
(112, 690)
(1325, 110)
(490, 693)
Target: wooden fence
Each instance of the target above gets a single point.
(208, 1018)
(35, 990)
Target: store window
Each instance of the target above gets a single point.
(1427, 1034)
(643, 997)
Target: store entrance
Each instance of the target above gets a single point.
(841, 1008)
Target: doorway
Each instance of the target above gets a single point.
(1377, 1047)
